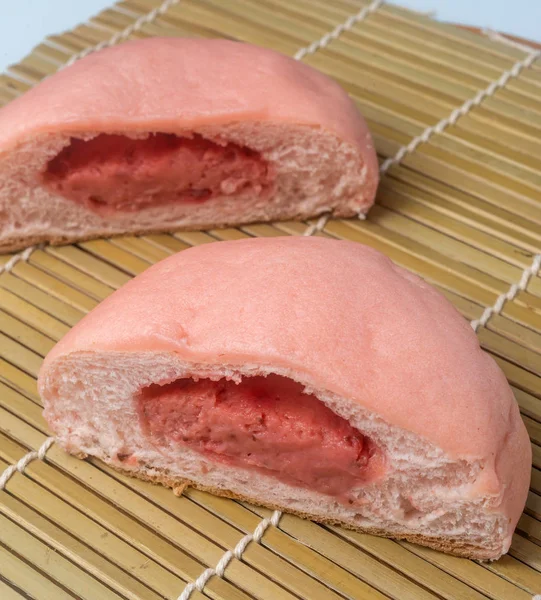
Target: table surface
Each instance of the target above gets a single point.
(24, 23)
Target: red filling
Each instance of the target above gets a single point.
(111, 173)
(266, 423)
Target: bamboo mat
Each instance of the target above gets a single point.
(457, 123)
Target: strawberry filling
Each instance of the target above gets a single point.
(264, 423)
(111, 173)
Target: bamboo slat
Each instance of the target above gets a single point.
(462, 210)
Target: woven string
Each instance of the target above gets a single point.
(482, 95)
(21, 465)
(534, 269)
(237, 553)
(338, 30)
(125, 33)
(511, 294)
(21, 256)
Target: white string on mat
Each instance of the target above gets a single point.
(534, 269)
(319, 225)
(482, 95)
(516, 69)
(322, 43)
(117, 37)
(510, 295)
(338, 30)
(21, 465)
(124, 33)
(237, 552)
(21, 256)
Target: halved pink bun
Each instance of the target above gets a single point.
(173, 133)
(307, 374)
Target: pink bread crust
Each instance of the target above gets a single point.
(177, 84)
(409, 355)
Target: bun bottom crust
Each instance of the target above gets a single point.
(457, 548)
(20, 243)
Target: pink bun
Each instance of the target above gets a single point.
(298, 121)
(365, 336)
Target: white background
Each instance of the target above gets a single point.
(24, 23)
